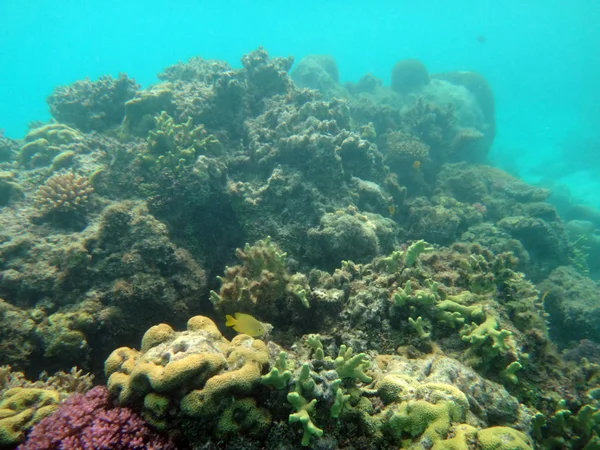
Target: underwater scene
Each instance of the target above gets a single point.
(323, 225)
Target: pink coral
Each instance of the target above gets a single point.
(89, 422)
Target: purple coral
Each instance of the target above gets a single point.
(90, 422)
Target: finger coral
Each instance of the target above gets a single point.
(64, 192)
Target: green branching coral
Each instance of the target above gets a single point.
(478, 335)
(315, 343)
(305, 383)
(563, 429)
(398, 258)
(340, 399)
(279, 376)
(413, 251)
(418, 326)
(348, 366)
(303, 411)
(453, 311)
(172, 145)
(509, 372)
(393, 262)
(426, 296)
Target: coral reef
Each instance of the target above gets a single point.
(319, 72)
(570, 301)
(187, 375)
(388, 274)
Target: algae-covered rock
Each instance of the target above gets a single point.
(571, 301)
(93, 105)
(10, 190)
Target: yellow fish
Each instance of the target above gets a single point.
(245, 324)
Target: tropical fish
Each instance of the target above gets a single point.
(392, 209)
(245, 324)
(416, 165)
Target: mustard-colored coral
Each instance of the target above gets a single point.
(503, 438)
(432, 410)
(44, 143)
(196, 369)
(21, 408)
(246, 359)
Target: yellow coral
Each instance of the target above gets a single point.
(199, 367)
(503, 438)
(21, 408)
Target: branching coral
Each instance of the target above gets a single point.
(171, 145)
(403, 149)
(64, 192)
(89, 422)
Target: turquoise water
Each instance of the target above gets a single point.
(539, 56)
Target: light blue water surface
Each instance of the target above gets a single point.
(541, 57)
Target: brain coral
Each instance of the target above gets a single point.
(198, 371)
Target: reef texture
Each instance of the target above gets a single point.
(412, 296)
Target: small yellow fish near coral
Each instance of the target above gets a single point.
(245, 324)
